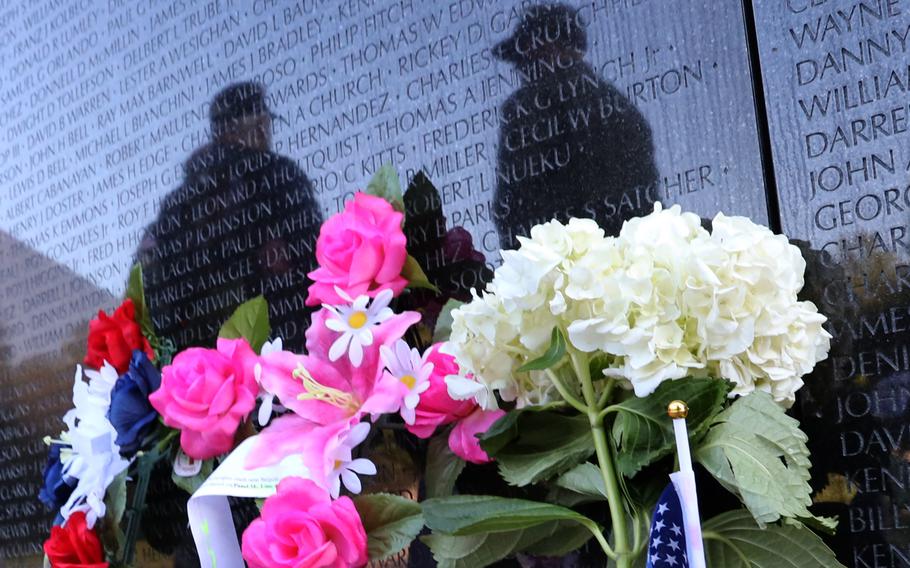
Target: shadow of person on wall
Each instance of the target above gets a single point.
(570, 145)
(243, 223)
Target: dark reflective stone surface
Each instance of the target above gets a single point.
(836, 77)
(208, 140)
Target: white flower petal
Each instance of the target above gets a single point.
(362, 466)
(351, 482)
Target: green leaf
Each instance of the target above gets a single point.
(391, 523)
(444, 321)
(135, 291)
(734, 540)
(759, 453)
(642, 431)
(553, 355)
(476, 514)
(250, 321)
(110, 530)
(115, 498)
(584, 479)
(385, 184)
(416, 277)
(191, 484)
(532, 444)
(555, 538)
(443, 467)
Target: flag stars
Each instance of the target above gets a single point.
(662, 508)
(675, 529)
(659, 525)
(655, 542)
(674, 544)
(654, 558)
(670, 559)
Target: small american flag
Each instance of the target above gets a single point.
(667, 540)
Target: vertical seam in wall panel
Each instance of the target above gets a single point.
(761, 118)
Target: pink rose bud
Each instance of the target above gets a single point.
(206, 393)
(301, 526)
(436, 407)
(463, 440)
(360, 251)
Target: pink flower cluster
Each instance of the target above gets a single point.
(356, 365)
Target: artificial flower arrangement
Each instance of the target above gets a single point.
(557, 375)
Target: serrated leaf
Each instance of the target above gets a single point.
(443, 467)
(135, 291)
(642, 431)
(191, 484)
(477, 514)
(385, 184)
(759, 453)
(554, 353)
(549, 539)
(742, 543)
(827, 525)
(444, 321)
(531, 445)
(250, 321)
(416, 277)
(391, 523)
(584, 479)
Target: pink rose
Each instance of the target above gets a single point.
(463, 439)
(436, 407)
(361, 251)
(206, 393)
(302, 527)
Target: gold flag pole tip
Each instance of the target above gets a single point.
(677, 409)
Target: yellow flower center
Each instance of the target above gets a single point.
(314, 390)
(337, 464)
(357, 320)
(409, 380)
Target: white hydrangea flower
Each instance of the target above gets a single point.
(666, 299)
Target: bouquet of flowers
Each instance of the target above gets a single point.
(556, 377)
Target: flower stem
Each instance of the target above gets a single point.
(565, 393)
(606, 463)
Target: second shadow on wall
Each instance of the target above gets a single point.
(571, 144)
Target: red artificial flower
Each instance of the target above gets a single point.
(74, 545)
(114, 338)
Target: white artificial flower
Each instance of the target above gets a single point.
(94, 461)
(93, 458)
(94, 396)
(355, 324)
(412, 370)
(345, 468)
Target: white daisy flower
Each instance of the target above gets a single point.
(355, 324)
(345, 469)
(407, 365)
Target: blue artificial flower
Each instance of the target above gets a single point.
(57, 488)
(131, 413)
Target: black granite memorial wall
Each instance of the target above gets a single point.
(836, 78)
(208, 140)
